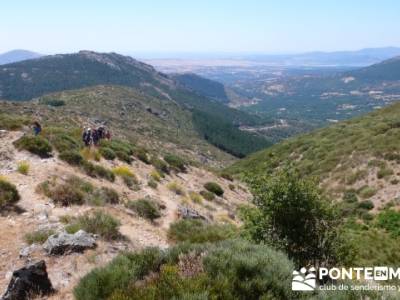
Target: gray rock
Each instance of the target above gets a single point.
(189, 213)
(27, 251)
(29, 281)
(64, 243)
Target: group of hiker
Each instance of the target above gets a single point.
(89, 137)
(92, 136)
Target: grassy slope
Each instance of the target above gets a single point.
(158, 124)
(342, 155)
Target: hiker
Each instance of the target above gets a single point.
(101, 131)
(37, 128)
(95, 137)
(87, 137)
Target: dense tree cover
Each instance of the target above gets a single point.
(203, 86)
(227, 137)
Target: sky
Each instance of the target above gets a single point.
(202, 26)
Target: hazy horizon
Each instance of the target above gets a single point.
(208, 27)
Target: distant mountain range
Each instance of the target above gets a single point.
(17, 55)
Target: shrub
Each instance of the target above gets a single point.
(214, 187)
(207, 195)
(89, 153)
(225, 270)
(8, 193)
(350, 196)
(176, 188)
(390, 221)
(52, 102)
(152, 183)
(160, 165)
(34, 144)
(176, 162)
(366, 204)
(66, 194)
(366, 192)
(232, 187)
(227, 176)
(145, 208)
(195, 197)
(61, 139)
(23, 167)
(77, 191)
(38, 236)
(142, 155)
(97, 171)
(384, 172)
(293, 215)
(97, 222)
(71, 157)
(197, 231)
(107, 153)
(104, 195)
(126, 174)
(155, 175)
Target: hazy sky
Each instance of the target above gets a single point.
(49, 26)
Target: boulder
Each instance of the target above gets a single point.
(189, 213)
(29, 281)
(64, 243)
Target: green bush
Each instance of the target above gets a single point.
(350, 196)
(97, 171)
(160, 165)
(214, 187)
(207, 195)
(176, 188)
(8, 193)
(71, 157)
(61, 139)
(293, 214)
(97, 222)
(366, 192)
(197, 231)
(366, 204)
(175, 162)
(390, 221)
(384, 172)
(142, 155)
(107, 153)
(34, 144)
(76, 191)
(38, 236)
(225, 270)
(23, 167)
(145, 208)
(152, 183)
(122, 149)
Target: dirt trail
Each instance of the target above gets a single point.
(35, 211)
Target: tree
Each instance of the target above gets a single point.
(292, 215)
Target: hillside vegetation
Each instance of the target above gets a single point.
(362, 155)
(60, 73)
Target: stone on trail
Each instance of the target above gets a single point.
(64, 243)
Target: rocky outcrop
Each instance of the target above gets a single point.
(28, 282)
(185, 212)
(64, 243)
